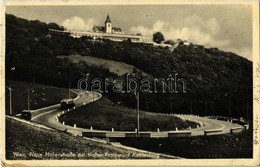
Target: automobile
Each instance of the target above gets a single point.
(67, 103)
(26, 114)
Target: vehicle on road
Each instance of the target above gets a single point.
(26, 114)
(67, 103)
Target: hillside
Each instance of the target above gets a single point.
(40, 143)
(215, 79)
(116, 67)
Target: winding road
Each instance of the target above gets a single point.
(48, 116)
(211, 125)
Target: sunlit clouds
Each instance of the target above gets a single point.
(76, 23)
(196, 30)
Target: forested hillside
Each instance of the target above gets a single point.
(217, 81)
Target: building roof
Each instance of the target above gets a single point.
(116, 29)
(108, 19)
(99, 28)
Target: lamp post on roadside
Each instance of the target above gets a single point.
(28, 100)
(206, 107)
(191, 107)
(247, 107)
(93, 94)
(171, 104)
(138, 116)
(229, 106)
(171, 107)
(10, 96)
(28, 96)
(69, 88)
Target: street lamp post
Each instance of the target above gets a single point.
(230, 106)
(69, 88)
(171, 107)
(10, 95)
(93, 94)
(171, 104)
(206, 107)
(247, 107)
(28, 99)
(191, 107)
(138, 114)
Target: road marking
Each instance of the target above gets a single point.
(44, 114)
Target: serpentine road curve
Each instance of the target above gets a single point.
(49, 117)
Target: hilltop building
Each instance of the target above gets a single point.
(108, 28)
(106, 32)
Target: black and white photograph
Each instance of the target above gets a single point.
(134, 83)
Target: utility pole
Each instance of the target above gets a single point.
(230, 102)
(28, 99)
(230, 106)
(10, 95)
(171, 104)
(247, 107)
(206, 107)
(137, 107)
(171, 107)
(191, 107)
(69, 88)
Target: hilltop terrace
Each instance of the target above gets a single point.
(106, 32)
(102, 35)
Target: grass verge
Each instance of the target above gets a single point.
(27, 142)
(103, 114)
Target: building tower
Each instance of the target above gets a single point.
(108, 25)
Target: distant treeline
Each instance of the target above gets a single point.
(217, 82)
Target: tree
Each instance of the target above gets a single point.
(170, 42)
(55, 26)
(158, 37)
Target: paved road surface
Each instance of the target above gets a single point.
(209, 124)
(49, 118)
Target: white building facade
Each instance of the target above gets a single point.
(106, 32)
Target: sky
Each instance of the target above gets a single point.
(227, 27)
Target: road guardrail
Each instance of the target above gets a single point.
(236, 130)
(212, 131)
(179, 134)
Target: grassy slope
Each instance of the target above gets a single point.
(30, 140)
(115, 67)
(222, 146)
(102, 114)
(41, 96)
